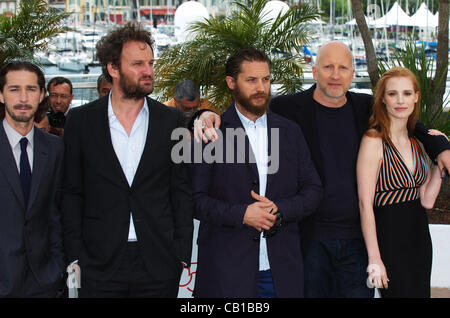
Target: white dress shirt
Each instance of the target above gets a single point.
(14, 140)
(257, 135)
(129, 148)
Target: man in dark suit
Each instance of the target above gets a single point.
(31, 251)
(127, 208)
(248, 241)
(333, 121)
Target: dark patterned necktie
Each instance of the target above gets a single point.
(25, 170)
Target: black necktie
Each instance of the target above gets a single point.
(25, 170)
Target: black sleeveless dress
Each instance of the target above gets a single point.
(402, 225)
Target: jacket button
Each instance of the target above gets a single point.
(255, 182)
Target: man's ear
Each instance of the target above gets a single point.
(113, 70)
(231, 82)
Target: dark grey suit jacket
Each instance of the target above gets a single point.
(30, 236)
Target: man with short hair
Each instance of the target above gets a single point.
(103, 86)
(333, 121)
(127, 208)
(249, 241)
(31, 250)
(60, 93)
(187, 99)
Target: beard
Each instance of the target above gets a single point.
(133, 90)
(20, 118)
(248, 105)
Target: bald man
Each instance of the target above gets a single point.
(333, 121)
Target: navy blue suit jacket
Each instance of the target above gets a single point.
(30, 236)
(228, 251)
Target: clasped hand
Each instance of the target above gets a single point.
(260, 214)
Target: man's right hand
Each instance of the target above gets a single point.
(259, 217)
(205, 127)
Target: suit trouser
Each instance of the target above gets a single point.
(131, 280)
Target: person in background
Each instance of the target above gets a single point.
(394, 188)
(187, 99)
(104, 85)
(60, 92)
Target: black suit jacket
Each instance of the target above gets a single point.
(300, 108)
(30, 236)
(97, 199)
(228, 250)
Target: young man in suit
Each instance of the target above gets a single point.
(31, 251)
(127, 208)
(249, 241)
(333, 121)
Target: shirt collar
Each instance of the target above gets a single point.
(112, 117)
(14, 137)
(260, 122)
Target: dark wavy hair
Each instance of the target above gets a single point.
(109, 47)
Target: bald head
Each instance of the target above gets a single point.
(333, 72)
(334, 47)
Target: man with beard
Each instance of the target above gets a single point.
(333, 120)
(248, 241)
(31, 251)
(127, 208)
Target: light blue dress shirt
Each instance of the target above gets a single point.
(129, 149)
(257, 135)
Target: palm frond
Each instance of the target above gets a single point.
(202, 59)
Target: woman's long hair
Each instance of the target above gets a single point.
(379, 122)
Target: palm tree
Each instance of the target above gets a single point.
(371, 58)
(29, 30)
(203, 58)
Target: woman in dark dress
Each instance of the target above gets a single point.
(394, 187)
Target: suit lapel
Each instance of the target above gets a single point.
(99, 124)
(232, 120)
(273, 122)
(9, 167)
(40, 163)
(359, 113)
(153, 130)
(308, 124)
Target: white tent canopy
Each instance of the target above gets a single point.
(369, 21)
(185, 14)
(272, 9)
(395, 16)
(424, 18)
